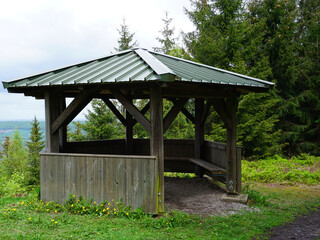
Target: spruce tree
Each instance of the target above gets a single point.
(167, 41)
(101, 123)
(35, 144)
(77, 134)
(126, 38)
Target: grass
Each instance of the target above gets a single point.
(280, 204)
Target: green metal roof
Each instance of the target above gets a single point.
(136, 65)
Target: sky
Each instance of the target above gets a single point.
(40, 35)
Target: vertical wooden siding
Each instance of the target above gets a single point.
(100, 177)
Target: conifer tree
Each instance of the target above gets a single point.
(77, 134)
(167, 41)
(126, 38)
(101, 123)
(35, 144)
(16, 159)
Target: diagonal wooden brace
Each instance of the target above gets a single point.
(114, 110)
(132, 109)
(177, 107)
(74, 108)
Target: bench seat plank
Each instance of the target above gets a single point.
(209, 166)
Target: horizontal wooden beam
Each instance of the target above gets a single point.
(132, 109)
(114, 110)
(172, 114)
(74, 108)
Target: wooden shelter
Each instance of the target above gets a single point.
(132, 169)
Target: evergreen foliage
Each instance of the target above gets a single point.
(16, 158)
(77, 134)
(35, 144)
(168, 42)
(272, 40)
(101, 123)
(126, 38)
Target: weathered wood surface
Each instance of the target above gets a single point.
(214, 169)
(156, 140)
(100, 177)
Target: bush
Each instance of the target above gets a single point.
(11, 187)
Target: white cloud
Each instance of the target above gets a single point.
(39, 35)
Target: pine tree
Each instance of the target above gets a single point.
(168, 42)
(126, 38)
(35, 144)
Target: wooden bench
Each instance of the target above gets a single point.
(214, 169)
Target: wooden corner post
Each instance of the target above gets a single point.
(231, 184)
(156, 140)
(52, 111)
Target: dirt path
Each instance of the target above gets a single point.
(303, 228)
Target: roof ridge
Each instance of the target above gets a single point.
(154, 63)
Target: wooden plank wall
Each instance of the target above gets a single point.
(217, 154)
(100, 177)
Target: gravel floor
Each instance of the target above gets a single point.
(197, 196)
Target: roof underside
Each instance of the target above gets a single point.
(133, 66)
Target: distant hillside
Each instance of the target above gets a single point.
(7, 128)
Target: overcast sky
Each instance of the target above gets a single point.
(39, 35)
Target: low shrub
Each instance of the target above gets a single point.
(302, 169)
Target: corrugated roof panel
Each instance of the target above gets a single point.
(203, 73)
(136, 65)
(98, 73)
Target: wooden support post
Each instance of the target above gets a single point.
(63, 129)
(231, 108)
(199, 135)
(52, 112)
(156, 139)
(129, 131)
